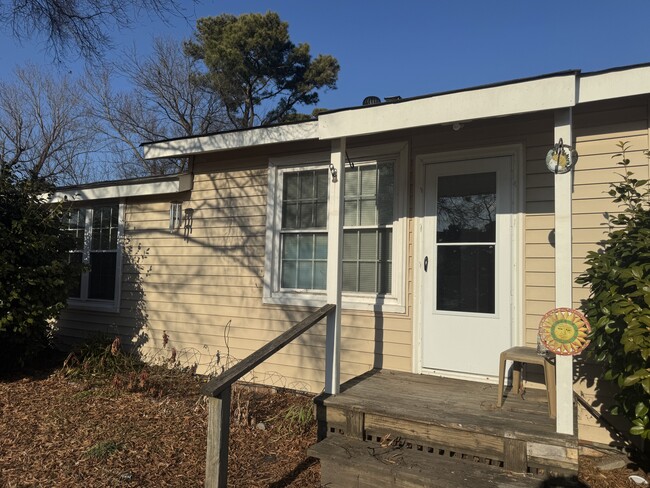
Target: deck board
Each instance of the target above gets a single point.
(449, 403)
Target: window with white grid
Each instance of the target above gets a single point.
(304, 229)
(368, 227)
(97, 253)
(374, 229)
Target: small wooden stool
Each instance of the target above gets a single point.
(519, 356)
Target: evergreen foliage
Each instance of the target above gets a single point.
(618, 306)
(34, 269)
(253, 66)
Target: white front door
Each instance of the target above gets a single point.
(467, 266)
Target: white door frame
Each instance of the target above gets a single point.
(516, 151)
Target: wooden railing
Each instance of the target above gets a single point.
(218, 392)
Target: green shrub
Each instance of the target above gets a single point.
(618, 306)
(34, 270)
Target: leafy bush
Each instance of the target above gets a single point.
(618, 306)
(34, 269)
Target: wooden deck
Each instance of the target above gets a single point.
(446, 418)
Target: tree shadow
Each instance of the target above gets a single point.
(77, 326)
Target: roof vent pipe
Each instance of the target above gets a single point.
(371, 100)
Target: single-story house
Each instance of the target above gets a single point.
(434, 221)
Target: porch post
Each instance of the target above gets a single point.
(563, 272)
(334, 256)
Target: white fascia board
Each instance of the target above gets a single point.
(232, 140)
(614, 84)
(181, 184)
(522, 97)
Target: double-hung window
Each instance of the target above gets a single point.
(368, 227)
(304, 229)
(96, 232)
(373, 229)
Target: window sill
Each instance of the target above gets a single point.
(370, 303)
(93, 305)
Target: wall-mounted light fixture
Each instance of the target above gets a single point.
(561, 158)
(189, 220)
(175, 216)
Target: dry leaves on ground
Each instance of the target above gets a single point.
(60, 432)
(56, 432)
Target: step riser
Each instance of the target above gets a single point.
(352, 463)
(337, 475)
(513, 452)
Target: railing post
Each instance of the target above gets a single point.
(216, 463)
(218, 389)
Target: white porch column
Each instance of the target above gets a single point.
(563, 272)
(334, 256)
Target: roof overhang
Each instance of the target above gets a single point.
(231, 140)
(617, 83)
(124, 189)
(554, 91)
(493, 101)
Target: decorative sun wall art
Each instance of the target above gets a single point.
(564, 331)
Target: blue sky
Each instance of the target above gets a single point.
(411, 47)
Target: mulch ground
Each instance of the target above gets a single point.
(132, 432)
(58, 432)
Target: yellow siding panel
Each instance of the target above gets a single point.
(205, 288)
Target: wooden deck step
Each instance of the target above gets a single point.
(351, 463)
(444, 415)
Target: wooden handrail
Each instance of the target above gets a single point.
(218, 392)
(218, 384)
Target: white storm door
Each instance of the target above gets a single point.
(467, 272)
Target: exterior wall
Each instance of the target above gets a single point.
(204, 289)
(598, 128)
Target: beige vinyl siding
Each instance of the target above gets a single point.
(598, 129)
(205, 289)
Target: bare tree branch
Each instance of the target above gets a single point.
(44, 130)
(165, 102)
(78, 27)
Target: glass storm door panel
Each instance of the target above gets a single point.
(466, 296)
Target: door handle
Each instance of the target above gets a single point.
(426, 263)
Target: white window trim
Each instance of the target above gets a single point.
(396, 300)
(95, 304)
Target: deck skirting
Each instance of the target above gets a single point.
(451, 419)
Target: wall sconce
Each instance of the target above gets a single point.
(175, 216)
(561, 158)
(189, 220)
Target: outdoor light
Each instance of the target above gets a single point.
(189, 220)
(561, 158)
(175, 216)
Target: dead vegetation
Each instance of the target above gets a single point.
(135, 426)
(124, 425)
